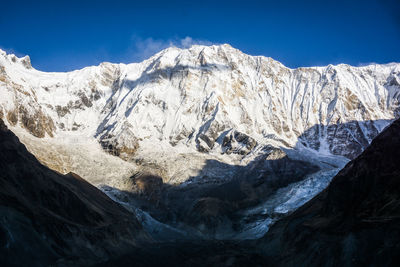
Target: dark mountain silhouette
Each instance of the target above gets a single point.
(47, 218)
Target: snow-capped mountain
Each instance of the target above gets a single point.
(239, 134)
(206, 101)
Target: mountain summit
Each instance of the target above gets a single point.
(212, 99)
(197, 121)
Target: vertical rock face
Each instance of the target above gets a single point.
(47, 217)
(355, 221)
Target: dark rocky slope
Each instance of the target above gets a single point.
(214, 209)
(47, 218)
(354, 222)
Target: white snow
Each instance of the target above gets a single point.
(168, 100)
(178, 94)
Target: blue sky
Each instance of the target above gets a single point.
(67, 35)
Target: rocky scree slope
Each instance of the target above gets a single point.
(47, 218)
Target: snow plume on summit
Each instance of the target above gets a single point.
(143, 48)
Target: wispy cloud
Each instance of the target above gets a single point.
(143, 48)
(363, 64)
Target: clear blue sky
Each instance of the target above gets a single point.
(66, 35)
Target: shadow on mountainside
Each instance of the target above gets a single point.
(353, 222)
(48, 218)
(345, 139)
(79, 222)
(213, 203)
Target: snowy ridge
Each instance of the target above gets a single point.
(200, 116)
(203, 102)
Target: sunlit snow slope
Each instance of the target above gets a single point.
(181, 107)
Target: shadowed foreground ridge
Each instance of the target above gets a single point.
(46, 216)
(355, 221)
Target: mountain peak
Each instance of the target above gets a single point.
(195, 98)
(12, 58)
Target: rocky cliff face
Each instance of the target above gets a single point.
(47, 218)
